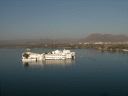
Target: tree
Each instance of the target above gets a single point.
(26, 55)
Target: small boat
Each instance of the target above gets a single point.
(57, 54)
(125, 50)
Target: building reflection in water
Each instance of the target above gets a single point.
(42, 64)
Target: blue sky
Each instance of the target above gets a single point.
(21, 19)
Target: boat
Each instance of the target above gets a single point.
(125, 50)
(54, 55)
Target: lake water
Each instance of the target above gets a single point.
(92, 73)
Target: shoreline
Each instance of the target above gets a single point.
(100, 47)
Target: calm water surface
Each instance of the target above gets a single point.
(92, 73)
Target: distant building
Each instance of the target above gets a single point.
(99, 43)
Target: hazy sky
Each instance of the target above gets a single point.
(61, 18)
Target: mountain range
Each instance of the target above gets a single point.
(97, 37)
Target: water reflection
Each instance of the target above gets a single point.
(41, 64)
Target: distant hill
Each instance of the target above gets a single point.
(96, 37)
(36, 41)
